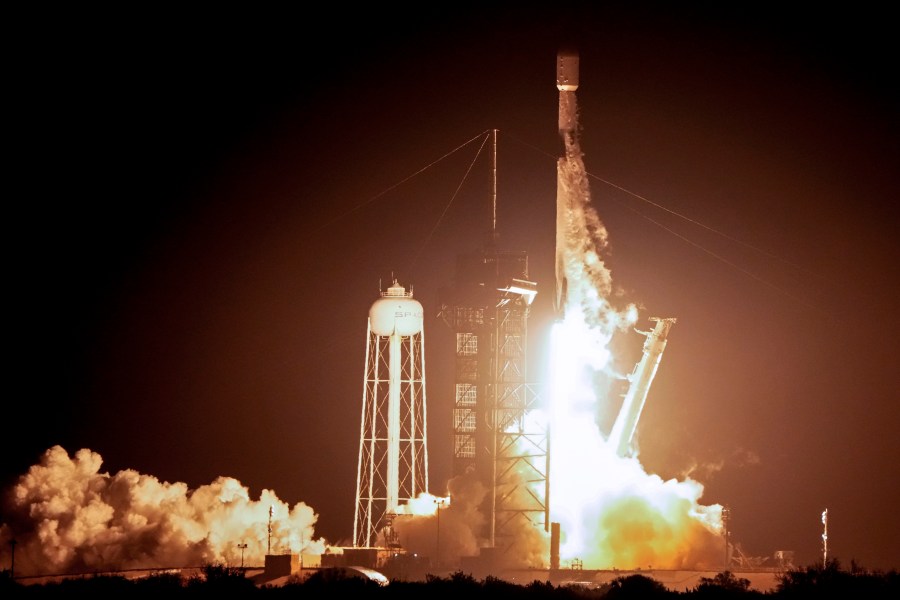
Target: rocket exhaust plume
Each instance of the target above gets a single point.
(68, 517)
(612, 514)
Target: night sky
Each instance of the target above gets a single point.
(200, 209)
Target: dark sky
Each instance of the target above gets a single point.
(200, 209)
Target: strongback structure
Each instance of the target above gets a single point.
(488, 308)
(621, 436)
(393, 459)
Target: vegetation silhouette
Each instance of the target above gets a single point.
(820, 580)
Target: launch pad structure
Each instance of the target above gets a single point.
(487, 308)
(494, 440)
(488, 311)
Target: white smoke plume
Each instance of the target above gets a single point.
(68, 517)
(740, 457)
(457, 531)
(623, 517)
(581, 238)
(450, 521)
(450, 528)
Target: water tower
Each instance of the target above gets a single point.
(393, 460)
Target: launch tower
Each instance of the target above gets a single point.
(488, 307)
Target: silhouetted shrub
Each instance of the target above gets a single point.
(637, 586)
(160, 585)
(221, 579)
(828, 580)
(724, 585)
(817, 581)
(90, 586)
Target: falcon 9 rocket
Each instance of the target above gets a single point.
(566, 83)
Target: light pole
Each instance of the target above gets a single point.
(242, 547)
(269, 543)
(440, 503)
(726, 516)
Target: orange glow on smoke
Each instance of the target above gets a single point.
(69, 517)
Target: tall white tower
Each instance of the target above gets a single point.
(393, 459)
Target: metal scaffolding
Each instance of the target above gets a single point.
(493, 439)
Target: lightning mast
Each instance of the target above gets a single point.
(488, 307)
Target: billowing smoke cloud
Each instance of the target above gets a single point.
(525, 542)
(581, 238)
(623, 517)
(740, 457)
(444, 528)
(447, 528)
(68, 517)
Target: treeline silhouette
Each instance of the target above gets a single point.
(821, 580)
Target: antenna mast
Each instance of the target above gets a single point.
(494, 190)
(269, 546)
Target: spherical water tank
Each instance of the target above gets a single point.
(396, 312)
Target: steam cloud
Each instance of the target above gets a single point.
(68, 517)
(420, 528)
